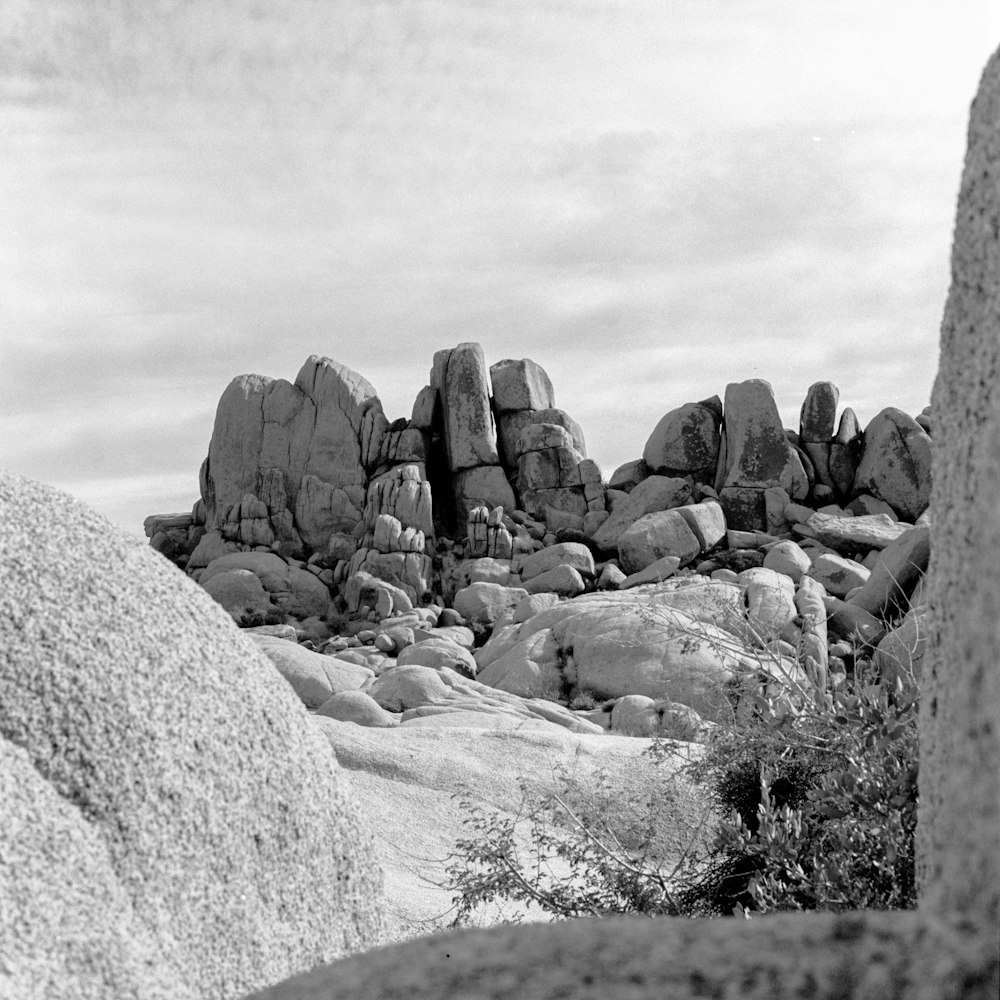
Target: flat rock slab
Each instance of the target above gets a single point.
(848, 534)
(407, 779)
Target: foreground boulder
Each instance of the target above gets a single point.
(77, 933)
(224, 848)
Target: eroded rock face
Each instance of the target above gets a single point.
(686, 440)
(895, 465)
(305, 448)
(758, 454)
(170, 738)
(460, 376)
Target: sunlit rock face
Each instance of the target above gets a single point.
(306, 447)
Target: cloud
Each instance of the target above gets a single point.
(638, 202)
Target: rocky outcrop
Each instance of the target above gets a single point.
(289, 462)
(368, 514)
(758, 456)
(220, 843)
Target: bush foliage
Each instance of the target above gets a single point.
(814, 806)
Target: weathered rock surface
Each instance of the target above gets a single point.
(652, 494)
(441, 653)
(848, 534)
(420, 771)
(652, 536)
(521, 385)
(565, 581)
(321, 434)
(897, 571)
(313, 677)
(666, 643)
(217, 827)
(459, 374)
(839, 576)
(896, 463)
(67, 922)
(290, 588)
(561, 554)
(357, 707)
(416, 689)
(758, 454)
(686, 440)
(487, 602)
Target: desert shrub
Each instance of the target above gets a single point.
(582, 700)
(819, 806)
(577, 853)
(817, 811)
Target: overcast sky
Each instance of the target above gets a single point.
(651, 198)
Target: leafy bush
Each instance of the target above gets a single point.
(820, 807)
(817, 807)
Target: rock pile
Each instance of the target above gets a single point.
(480, 532)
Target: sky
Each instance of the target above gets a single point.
(650, 198)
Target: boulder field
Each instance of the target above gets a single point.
(471, 562)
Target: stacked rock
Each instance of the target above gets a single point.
(487, 535)
(543, 447)
(399, 530)
(759, 468)
(459, 375)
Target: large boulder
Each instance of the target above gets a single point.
(662, 533)
(686, 441)
(459, 374)
(816, 427)
(485, 603)
(652, 494)
(520, 385)
(758, 454)
(304, 449)
(684, 642)
(214, 822)
(896, 463)
(244, 598)
(561, 554)
(290, 588)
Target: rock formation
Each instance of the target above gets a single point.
(369, 537)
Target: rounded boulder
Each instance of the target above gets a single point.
(227, 826)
